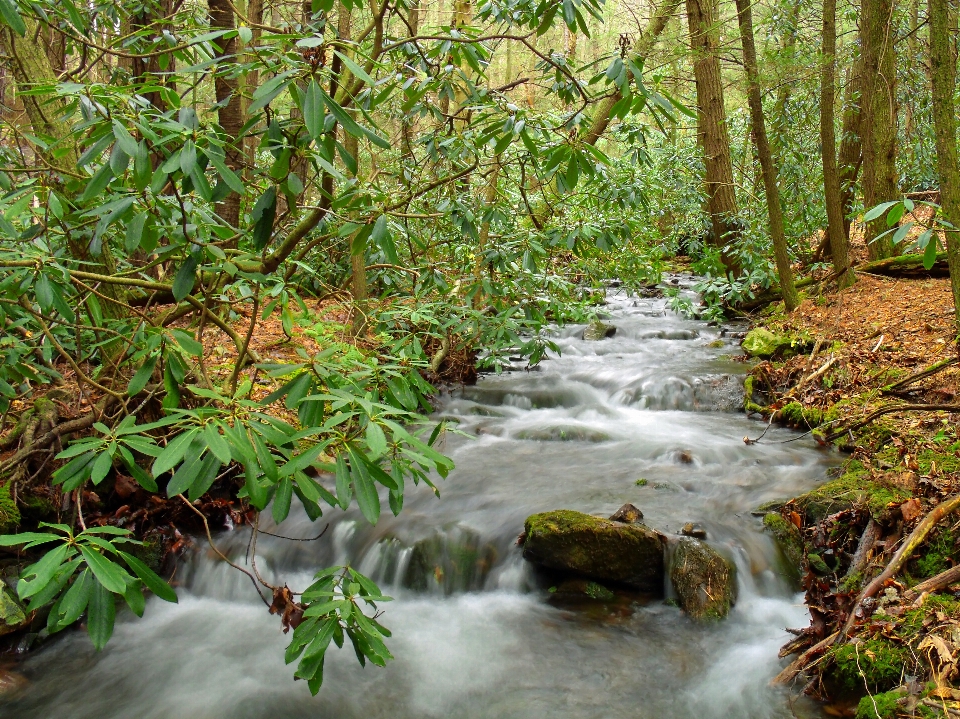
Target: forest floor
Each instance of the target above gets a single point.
(876, 546)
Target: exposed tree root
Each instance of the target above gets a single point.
(909, 546)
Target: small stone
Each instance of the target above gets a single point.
(684, 457)
(628, 514)
(693, 530)
(11, 683)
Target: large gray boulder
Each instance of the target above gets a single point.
(598, 330)
(596, 548)
(705, 582)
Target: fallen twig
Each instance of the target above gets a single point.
(888, 410)
(800, 663)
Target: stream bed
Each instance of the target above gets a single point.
(648, 416)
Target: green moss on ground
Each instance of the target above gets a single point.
(880, 706)
(852, 488)
(796, 415)
(748, 390)
(877, 665)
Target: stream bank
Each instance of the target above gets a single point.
(866, 370)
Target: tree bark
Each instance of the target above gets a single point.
(767, 166)
(943, 61)
(230, 113)
(837, 238)
(850, 158)
(712, 127)
(879, 118)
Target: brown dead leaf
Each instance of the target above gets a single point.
(910, 509)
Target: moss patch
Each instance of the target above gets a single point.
(788, 539)
(875, 664)
(796, 415)
(9, 514)
(852, 488)
(880, 706)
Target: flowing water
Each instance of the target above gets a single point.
(476, 635)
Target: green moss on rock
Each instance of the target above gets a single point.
(761, 342)
(595, 548)
(796, 415)
(788, 539)
(9, 514)
(705, 582)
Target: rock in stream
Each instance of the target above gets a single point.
(595, 548)
(705, 582)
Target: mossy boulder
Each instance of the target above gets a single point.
(12, 614)
(595, 548)
(761, 342)
(704, 580)
(787, 537)
(598, 330)
(888, 705)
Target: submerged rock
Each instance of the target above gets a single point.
(788, 538)
(705, 582)
(628, 514)
(453, 559)
(12, 614)
(691, 529)
(11, 683)
(595, 548)
(598, 330)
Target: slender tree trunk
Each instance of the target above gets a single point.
(230, 112)
(850, 158)
(837, 238)
(251, 80)
(712, 127)
(601, 116)
(943, 61)
(358, 256)
(879, 119)
(768, 168)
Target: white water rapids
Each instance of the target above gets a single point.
(475, 635)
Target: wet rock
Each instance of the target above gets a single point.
(12, 614)
(598, 330)
(11, 683)
(453, 559)
(788, 538)
(684, 456)
(691, 529)
(595, 548)
(578, 588)
(628, 514)
(705, 582)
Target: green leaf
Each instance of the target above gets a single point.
(376, 440)
(344, 489)
(281, 500)
(135, 599)
(206, 477)
(12, 540)
(187, 473)
(150, 578)
(313, 114)
(73, 602)
(217, 444)
(185, 279)
(124, 139)
(350, 125)
(135, 232)
(874, 212)
(188, 343)
(37, 576)
(98, 182)
(142, 376)
(354, 68)
(11, 17)
(109, 574)
(101, 467)
(367, 498)
(100, 618)
(173, 452)
(229, 176)
(263, 214)
(269, 90)
(930, 254)
(188, 157)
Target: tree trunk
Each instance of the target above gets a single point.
(879, 118)
(230, 112)
(837, 238)
(850, 158)
(943, 61)
(767, 166)
(712, 127)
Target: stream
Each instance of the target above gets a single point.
(476, 635)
